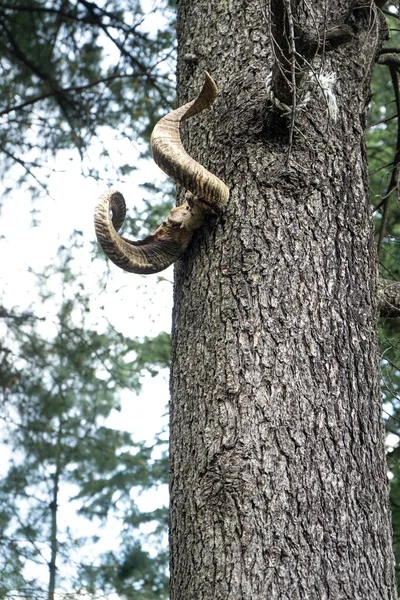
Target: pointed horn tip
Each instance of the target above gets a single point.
(210, 84)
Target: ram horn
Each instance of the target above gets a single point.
(205, 193)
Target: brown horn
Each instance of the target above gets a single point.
(156, 252)
(170, 155)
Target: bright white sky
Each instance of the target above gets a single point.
(136, 305)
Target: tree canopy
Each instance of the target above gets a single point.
(71, 68)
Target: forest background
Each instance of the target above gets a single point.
(84, 348)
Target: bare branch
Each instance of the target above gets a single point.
(390, 58)
(26, 166)
(389, 51)
(78, 88)
(389, 13)
(294, 48)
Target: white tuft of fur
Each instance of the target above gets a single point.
(326, 83)
(320, 83)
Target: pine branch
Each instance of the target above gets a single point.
(87, 19)
(65, 103)
(26, 166)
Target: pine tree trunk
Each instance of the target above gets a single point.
(54, 518)
(278, 474)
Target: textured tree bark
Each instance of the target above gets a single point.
(278, 474)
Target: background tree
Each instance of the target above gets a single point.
(60, 379)
(278, 478)
(383, 139)
(74, 73)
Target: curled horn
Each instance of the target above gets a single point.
(205, 193)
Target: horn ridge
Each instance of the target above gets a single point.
(170, 155)
(151, 255)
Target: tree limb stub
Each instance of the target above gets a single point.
(295, 48)
(388, 298)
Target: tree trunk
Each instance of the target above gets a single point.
(54, 518)
(278, 474)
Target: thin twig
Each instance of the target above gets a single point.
(78, 88)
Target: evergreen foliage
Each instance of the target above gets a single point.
(60, 379)
(383, 151)
(75, 72)
(72, 67)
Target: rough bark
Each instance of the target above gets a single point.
(278, 474)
